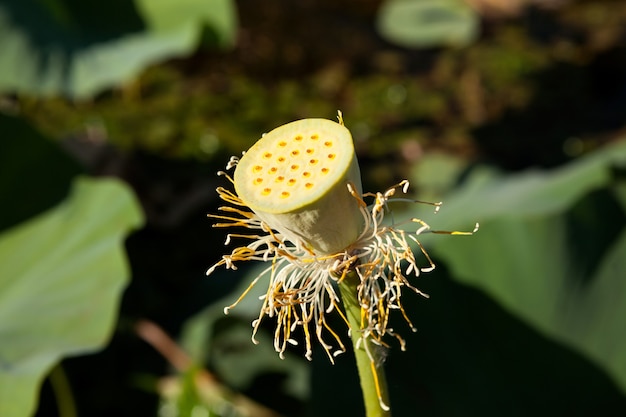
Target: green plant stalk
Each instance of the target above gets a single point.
(62, 392)
(371, 374)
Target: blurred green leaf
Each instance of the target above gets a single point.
(78, 49)
(61, 276)
(427, 23)
(550, 249)
(219, 16)
(35, 174)
(471, 357)
(225, 341)
(526, 316)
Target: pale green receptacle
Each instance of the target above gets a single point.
(295, 178)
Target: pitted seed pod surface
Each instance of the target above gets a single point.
(294, 165)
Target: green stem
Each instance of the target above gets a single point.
(371, 374)
(62, 392)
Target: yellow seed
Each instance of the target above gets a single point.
(299, 138)
(267, 155)
(308, 185)
(313, 161)
(309, 151)
(257, 168)
(294, 167)
(295, 152)
(280, 178)
(258, 181)
(281, 159)
(273, 170)
(292, 181)
(315, 137)
(328, 143)
(284, 194)
(266, 191)
(324, 170)
(306, 174)
(331, 156)
(282, 143)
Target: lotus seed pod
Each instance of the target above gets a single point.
(295, 179)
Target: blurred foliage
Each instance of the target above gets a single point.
(523, 318)
(77, 49)
(45, 172)
(537, 81)
(61, 275)
(550, 250)
(427, 23)
(224, 343)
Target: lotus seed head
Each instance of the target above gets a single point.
(295, 179)
(302, 181)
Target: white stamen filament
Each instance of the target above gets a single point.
(301, 286)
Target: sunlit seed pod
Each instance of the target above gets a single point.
(308, 200)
